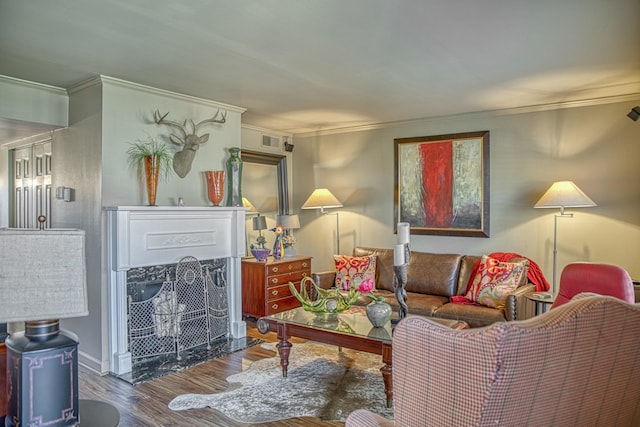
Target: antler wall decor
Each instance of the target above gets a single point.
(187, 139)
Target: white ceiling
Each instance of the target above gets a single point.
(306, 65)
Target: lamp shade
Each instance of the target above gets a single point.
(260, 222)
(247, 204)
(564, 194)
(321, 198)
(43, 274)
(289, 221)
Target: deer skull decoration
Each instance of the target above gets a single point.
(188, 140)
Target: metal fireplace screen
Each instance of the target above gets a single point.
(185, 313)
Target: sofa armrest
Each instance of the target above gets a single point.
(364, 418)
(325, 279)
(519, 307)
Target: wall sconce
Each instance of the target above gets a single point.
(634, 114)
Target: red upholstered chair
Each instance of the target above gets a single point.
(602, 279)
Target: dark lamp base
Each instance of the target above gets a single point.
(42, 374)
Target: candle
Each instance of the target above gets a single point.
(403, 232)
(398, 255)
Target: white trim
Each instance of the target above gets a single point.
(503, 112)
(106, 80)
(33, 85)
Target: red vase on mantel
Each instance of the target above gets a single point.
(215, 186)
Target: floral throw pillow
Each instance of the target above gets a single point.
(351, 270)
(495, 280)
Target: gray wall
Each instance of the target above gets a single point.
(595, 146)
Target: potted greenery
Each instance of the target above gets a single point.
(151, 159)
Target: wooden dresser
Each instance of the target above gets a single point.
(265, 284)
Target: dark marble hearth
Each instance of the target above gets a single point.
(158, 366)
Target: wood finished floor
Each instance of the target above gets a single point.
(145, 405)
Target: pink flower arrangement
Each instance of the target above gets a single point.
(366, 287)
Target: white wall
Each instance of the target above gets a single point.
(128, 115)
(596, 146)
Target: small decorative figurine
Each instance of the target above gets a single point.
(278, 245)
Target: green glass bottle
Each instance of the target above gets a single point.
(234, 178)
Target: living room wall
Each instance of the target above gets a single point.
(596, 146)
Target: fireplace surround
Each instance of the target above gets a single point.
(142, 236)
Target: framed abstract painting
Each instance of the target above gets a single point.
(442, 184)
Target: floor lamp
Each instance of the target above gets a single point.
(322, 199)
(562, 194)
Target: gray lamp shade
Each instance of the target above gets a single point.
(259, 223)
(289, 221)
(42, 274)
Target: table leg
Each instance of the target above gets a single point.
(387, 371)
(284, 347)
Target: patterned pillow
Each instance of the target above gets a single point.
(495, 280)
(351, 270)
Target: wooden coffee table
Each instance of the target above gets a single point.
(349, 329)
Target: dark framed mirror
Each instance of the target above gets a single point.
(267, 186)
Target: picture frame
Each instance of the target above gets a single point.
(441, 184)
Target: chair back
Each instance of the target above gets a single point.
(602, 279)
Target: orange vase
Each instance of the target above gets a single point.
(151, 169)
(215, 186)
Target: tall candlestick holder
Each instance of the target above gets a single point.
(399, 284)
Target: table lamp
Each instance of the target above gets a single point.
(322, 198)
(260, 223)
(289, 222)
(42, 280)
(562, 194)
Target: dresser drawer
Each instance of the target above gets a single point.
(281, 279)
(282, 291)
(276, 306)
(287, 267)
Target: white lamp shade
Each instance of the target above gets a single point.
(289, 221)
(42, 274)
(564, 194)
(321, 198)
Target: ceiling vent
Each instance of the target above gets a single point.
(270, 141)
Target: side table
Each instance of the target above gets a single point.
(543, 301)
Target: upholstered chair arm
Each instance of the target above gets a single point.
(325, 279)
(518, 306)
(364, 418)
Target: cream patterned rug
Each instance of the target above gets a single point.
(322, 382)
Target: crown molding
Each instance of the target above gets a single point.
(106, 80)
(499, 112)
(266, 130)
(33, 85)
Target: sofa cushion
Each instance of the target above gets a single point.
(495, 280)
(384, 265)
(351, 270)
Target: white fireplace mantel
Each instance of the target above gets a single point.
(140, 236)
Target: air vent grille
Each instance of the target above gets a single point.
(270, 141)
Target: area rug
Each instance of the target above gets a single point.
(322, 382)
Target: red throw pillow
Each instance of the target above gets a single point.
(495, 280)
(351, 270)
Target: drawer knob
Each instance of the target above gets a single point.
(290, 267)
(274, 280)
(274, 269)
(274, 292)
(304, 274)
(274, 306)
(304, 264)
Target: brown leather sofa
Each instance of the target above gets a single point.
(431, 280)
